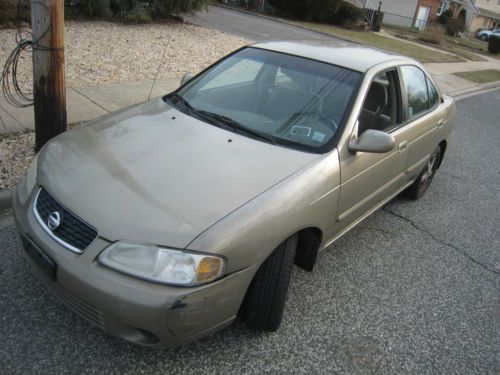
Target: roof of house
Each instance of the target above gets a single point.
(353, 57)
(468, 3)
(488, 13)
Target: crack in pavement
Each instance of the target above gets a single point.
(465, 180)
(455, 177)
(463, 252)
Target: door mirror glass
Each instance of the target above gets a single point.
(186, 78)
(374, 141)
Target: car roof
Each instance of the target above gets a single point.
(359, 58)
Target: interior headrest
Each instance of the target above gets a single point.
(376, 98)
(299, 78)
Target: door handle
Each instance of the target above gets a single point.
(441, 123)
(402, 145)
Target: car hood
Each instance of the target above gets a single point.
(151, 173)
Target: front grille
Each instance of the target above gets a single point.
(73, 233)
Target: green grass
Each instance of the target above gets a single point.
(421, 54)
(481, 76)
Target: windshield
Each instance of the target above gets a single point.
(272, 97)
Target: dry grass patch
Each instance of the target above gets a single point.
(419, 53)
(481, 76)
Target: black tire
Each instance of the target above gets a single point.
(484, 38)
(424, 179)
(266, 296)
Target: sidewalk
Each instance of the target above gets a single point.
(84, 104)
(87, 103)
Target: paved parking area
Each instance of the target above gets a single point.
(252, 27)
(414, 289)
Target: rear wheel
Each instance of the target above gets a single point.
(266, 296)
(419, 187)
(484, 37)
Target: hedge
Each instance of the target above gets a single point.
(347, 15)
(9, 12)
(125, 10)
(310, 10)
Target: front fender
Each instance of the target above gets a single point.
(248, 235)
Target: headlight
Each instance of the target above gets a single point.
(28, 182)
(161, 265)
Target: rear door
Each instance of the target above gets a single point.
(424, 114)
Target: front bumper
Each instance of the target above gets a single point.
(136, 310)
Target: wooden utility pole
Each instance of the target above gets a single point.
(49, 89)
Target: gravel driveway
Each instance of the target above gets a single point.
(103, 52)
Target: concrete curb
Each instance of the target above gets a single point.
(5, 199)
(461, 94)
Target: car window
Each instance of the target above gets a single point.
(243, 71)
(433, 95)
(381, 110)
(291, 100)
(416, 89)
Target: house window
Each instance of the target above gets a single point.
(443, 5)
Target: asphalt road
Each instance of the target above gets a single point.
(414, 289)
(254, 28)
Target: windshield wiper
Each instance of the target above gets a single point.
(177, 99)
(220, 120)
(236, 126)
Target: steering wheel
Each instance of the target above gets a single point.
(323, 119)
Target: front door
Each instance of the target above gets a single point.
(369, 178)
(423, 15)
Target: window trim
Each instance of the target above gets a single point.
(427, 82)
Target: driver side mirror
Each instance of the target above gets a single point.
(186, 78)
(373, 141)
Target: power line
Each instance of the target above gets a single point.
(9, 81)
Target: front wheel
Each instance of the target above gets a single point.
(266, 296)
(419, 187)
(484, 38)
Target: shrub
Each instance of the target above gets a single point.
(432, 35)
(453, 25)
(347, 15)
(137, 15)
(494, 44)
(163, 8)
(311, 10)
(96, 8)
(137, 11)
(9, 12)
(445, 17)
